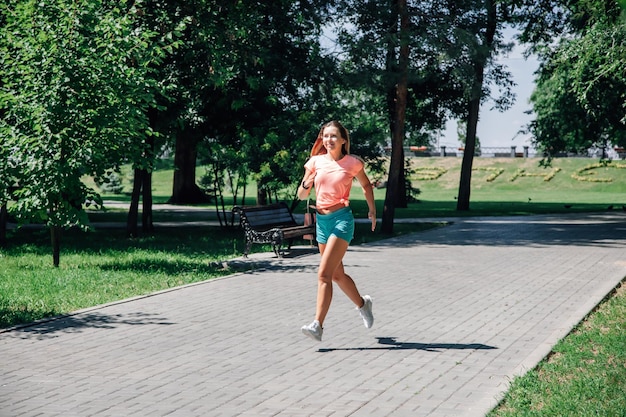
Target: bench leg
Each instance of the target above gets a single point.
(246, 251)
(273, 237)
(277, 244)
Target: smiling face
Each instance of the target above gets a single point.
(332, 137)
(333, 142)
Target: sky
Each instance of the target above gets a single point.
(500, 129)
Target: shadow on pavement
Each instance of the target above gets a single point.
(75, 324)
(390, 343)
(599, 230)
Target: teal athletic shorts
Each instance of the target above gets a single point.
(339, 223)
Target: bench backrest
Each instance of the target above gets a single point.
(266, 217)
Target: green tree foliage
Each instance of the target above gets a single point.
(205, 59)
(450, 67)
(481, 45)
(580, 96)
(246, 77)
(390, 57)
(75, 91)
(275, 95)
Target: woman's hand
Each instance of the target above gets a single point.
(372, 217)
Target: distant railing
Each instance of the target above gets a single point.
(487, 151)
(504, 152)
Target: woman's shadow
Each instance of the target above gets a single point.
(390, 343)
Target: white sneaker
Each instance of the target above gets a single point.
(313, 330)
(366, 312)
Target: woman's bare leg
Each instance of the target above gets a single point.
(347, 285)
(332, 253)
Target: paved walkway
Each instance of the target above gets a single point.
(459, 311)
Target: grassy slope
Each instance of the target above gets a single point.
(562, 189)
(524, 195)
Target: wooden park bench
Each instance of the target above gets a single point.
(273, 224)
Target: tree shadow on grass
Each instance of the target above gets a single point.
(166, 266)
(390, 343)
(185, 241)
(204, 268)
(47, 329)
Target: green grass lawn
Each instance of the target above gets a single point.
(585, 375)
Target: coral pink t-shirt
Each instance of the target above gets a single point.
(333, 179)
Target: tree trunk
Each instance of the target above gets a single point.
(465, 185)
(483, 53)
(401, 193)
(261, 194)
(185, 190)
(3, 224)
(133, 211)
(396, 167)
(142, 186)
(392, 66)
(147, 224)
(55, 240)
(400, 190)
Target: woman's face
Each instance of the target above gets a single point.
(332, 139)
